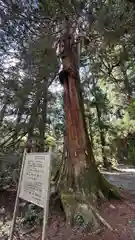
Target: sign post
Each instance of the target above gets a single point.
(46, 204)
(34, 184)
(17, 198)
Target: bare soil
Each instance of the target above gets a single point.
(119, 214)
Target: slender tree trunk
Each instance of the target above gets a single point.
(18, 120)
(32, 121)
(3, 111)
(43, 116)
(101, 130)
(90, 131)
(102, 138)
(2, 114)
(128, 91)
(128, 88)
(89, 183)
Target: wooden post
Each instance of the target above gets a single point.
(17, 198)
(46, 204)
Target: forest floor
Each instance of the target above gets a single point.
(119, 214)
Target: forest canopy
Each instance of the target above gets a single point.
(30, 105)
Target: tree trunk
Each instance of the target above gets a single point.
(101, 130)
(89, 183)
(43, 116)
(90, 133)
(3, 110)
(32, 120)
(128, 91)
(102, 138)
(127, 84)
(2, 113)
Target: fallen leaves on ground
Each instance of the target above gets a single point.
(119, 214)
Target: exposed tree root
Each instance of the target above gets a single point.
(29, 231)
(80, 200)
(82, 213)
(102, 220)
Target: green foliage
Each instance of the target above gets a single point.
(32, 216)
(131, 109)
(50, 141)
(31, 107)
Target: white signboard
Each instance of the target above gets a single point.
(35, 178)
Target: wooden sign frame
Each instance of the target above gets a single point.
(46, 196)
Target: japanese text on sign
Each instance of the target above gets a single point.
(35, 179)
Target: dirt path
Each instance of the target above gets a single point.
(124, 180)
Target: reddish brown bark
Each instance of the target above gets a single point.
(86, 176)
(85, 173)
(79, 145)
(75, 124)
